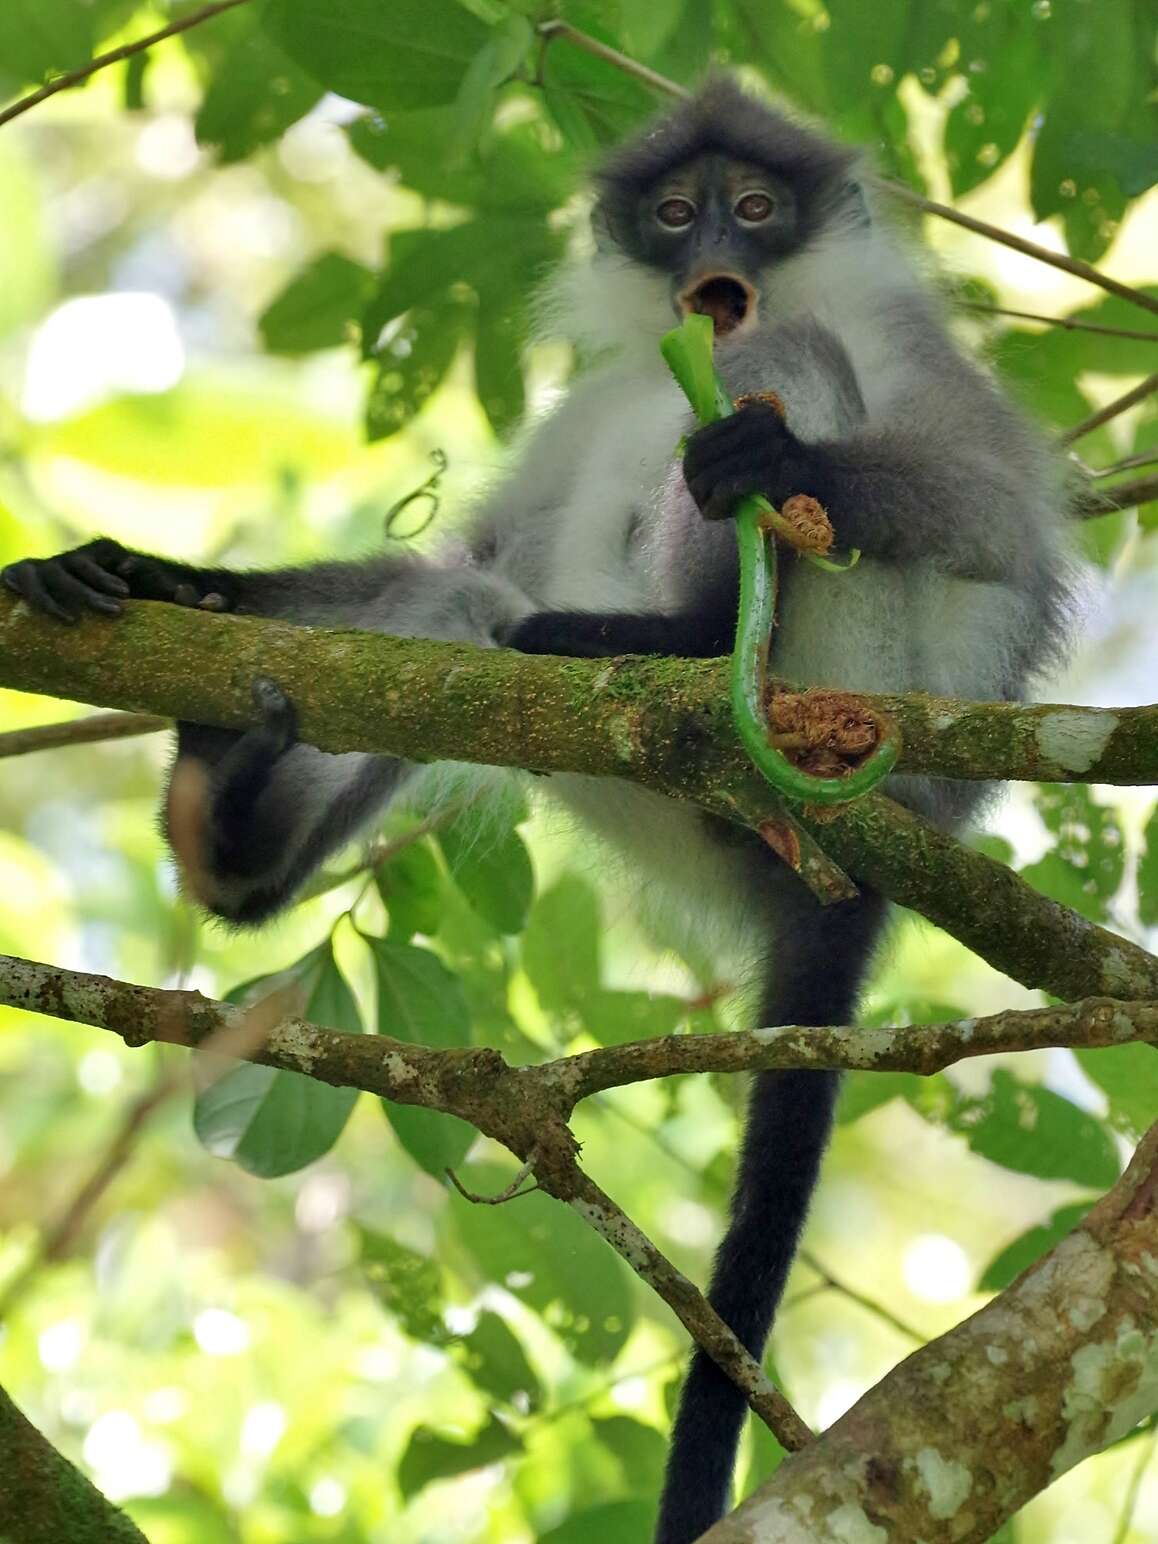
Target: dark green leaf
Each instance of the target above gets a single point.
(787, 46)
(1006, 67)
(592, 101)
(1032, 1130)
(410, 885)
(561, 945)
(640, 1450)
(498, 373)
(491, 867)
(422, 1002)
(1086, 866)
(273, 1122)
(412, 362)
(407, 1284)
(319, 308)
(1148, 874)
(497, 1363)
(765, 1456)
(863, 1092)
(1022, 1253)
(494, 64)
(614, 1018)
(1128, 1075)
(615, 1522)
(545, 1255)
(255, 92)
(432, 1456)
(44, 37)
(409, 53)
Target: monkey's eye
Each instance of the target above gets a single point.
(754, 208)
(675, 213)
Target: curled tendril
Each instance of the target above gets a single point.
(688, 351)
(427, 491)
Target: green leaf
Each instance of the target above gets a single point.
(498, 373)
(1128, 1076)
(765, 1455)
(44, 37)
(1148, 873)
(496, 1362)
(561, 951)
(255, 92)
(1032, 1130)
(494, 64)
(615, 1522)
(407, 1284)
(319, 308)
(775, 37)
(614, 1018)
(491, 867)
(422, 1002)
(1087, 864)
(863, 1092)
(1021, 1254)
(411, 888)
(592, 102)
(545, 1255)
(1006, 65)
(408, 53)
(432, 1456)
(412, 363)
(639, 1449)
(272, 1122)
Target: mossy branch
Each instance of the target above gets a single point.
(664, 723)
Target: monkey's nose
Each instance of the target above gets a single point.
(728, 299)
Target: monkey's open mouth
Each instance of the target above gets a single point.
(728, 300)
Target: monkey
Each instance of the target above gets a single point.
(601, 541)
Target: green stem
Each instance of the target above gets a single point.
(688, 352)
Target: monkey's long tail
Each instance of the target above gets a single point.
(820, 958)
(789, 1118)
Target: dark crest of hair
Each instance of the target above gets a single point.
(724, 119)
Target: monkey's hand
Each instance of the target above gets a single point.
(751, 451)
(102, 574)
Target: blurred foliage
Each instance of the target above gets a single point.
(250, 283)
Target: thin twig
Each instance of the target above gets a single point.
(1128, 463)
(115, 56)
(1068, 264)
(1125, 495)
(1121, 404)
(829, 1283)
(550, 30)
(511, 1192)
(81, 731)
(1070, 323)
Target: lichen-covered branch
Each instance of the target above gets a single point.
(965, 1431)
(664, 723)
(46, 1500)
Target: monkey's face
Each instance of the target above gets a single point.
(714, 225)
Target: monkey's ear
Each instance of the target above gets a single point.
(851, 203)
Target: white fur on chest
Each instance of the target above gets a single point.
(629, 424)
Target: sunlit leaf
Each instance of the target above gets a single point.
(640, 1451)
(408, 1285)
(410, 53)
(411, 887)
(491, 867)
(430, 1455)
(1032, 1130)
(255, 92)
(319, 308)
(544, 1254)
(44, 37)
(561, 950)
(1018, 1256)
(1086, 865)
(422, 1002)
(1148, 874)
(1128, 1076)
(497, 1363)
(273, 1122)
(615, 1522)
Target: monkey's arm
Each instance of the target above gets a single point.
(249, 815)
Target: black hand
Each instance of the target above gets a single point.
(752, 451)
(102, 574)
(606, 634)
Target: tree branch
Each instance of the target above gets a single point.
(1070, 323)
(115, 56)
(1112, 409)
(80, 731)
(664, 723)
(44, 1499)
(964, 1432)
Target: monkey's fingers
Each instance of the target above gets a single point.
(65, 586)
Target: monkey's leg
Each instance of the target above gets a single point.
(820, 958)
